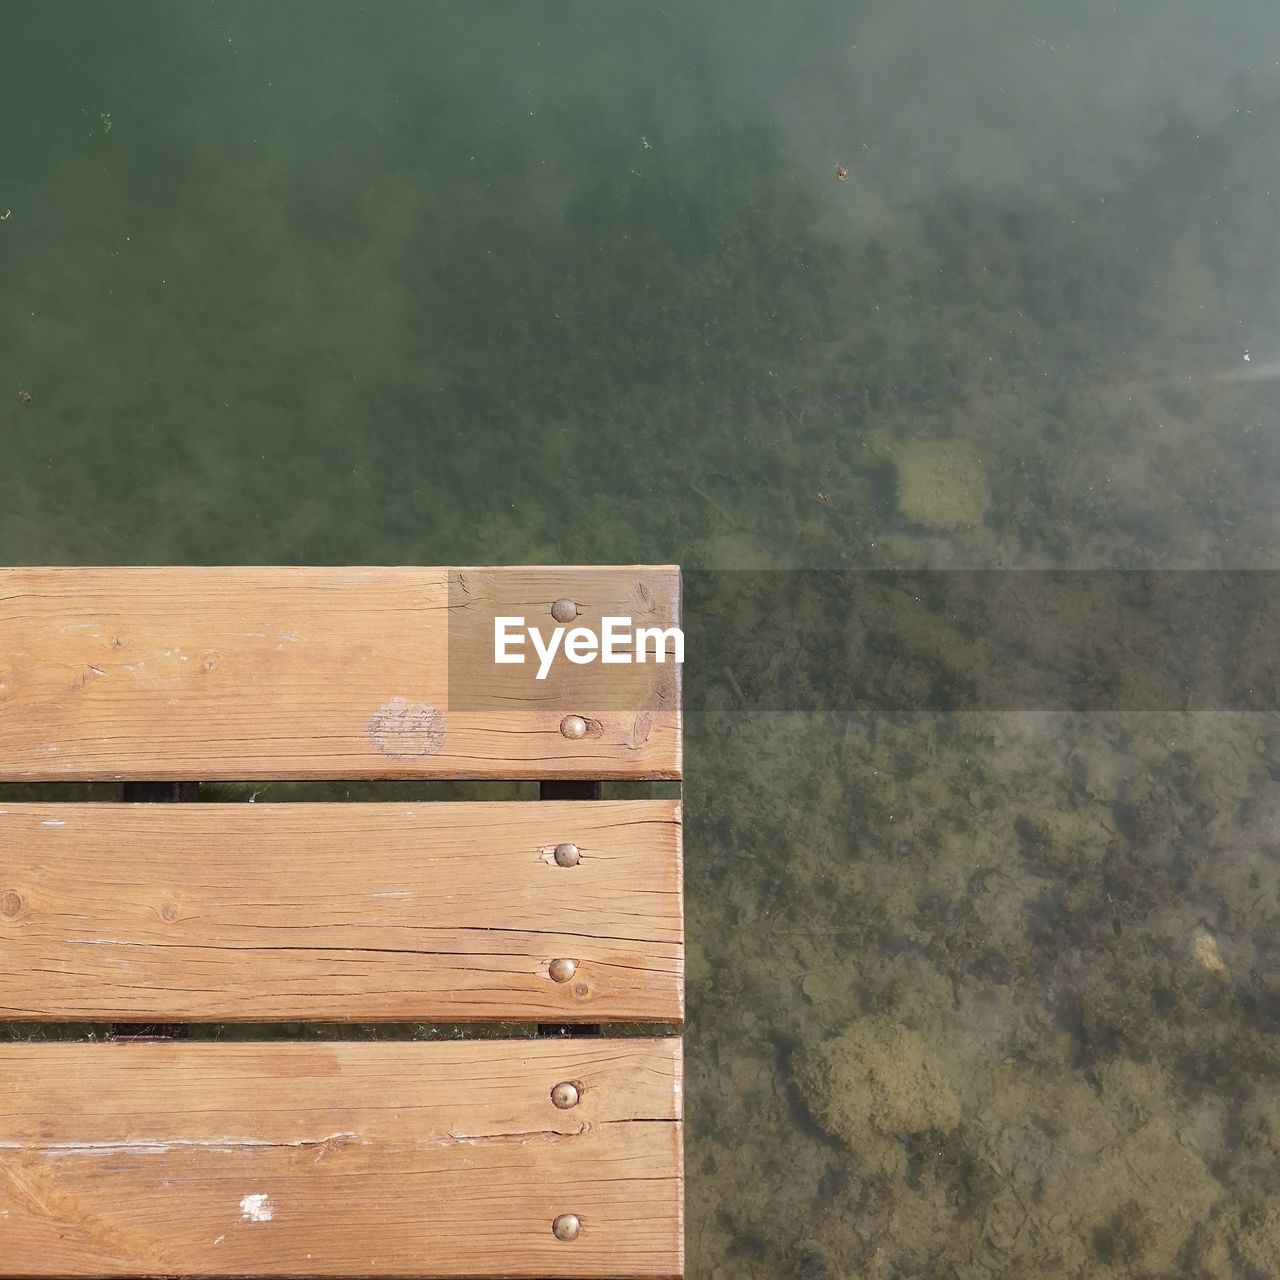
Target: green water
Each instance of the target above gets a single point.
(971, 994)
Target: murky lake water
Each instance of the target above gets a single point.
(989, 991)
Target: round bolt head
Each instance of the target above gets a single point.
(565, 1095)
(567, 855)
(573, 727)
(566, 1227)
(564, 610)
(562, 970)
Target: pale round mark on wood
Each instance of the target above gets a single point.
(256, 1208)
(404, 730)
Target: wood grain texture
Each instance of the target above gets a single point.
(258, 673)
(357, 1159)
(430, 911)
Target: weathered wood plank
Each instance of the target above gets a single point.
(431, 911)
(258, 673)
(359, 1159)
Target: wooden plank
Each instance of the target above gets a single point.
(258, 673)
(358, 1159)
(430, 911)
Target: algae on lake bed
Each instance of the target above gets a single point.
(961, 1019)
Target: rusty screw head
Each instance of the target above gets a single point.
(564, 610)
(567, 855)
(566, 1227)
(573, 727)
(565, 1095)
(561, 970)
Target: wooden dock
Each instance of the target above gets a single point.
(554, 1151)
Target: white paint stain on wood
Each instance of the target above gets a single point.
(256, 1208)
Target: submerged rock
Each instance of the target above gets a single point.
(942, 484)
(1204, 948)
(874, 1082)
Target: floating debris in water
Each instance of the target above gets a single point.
(842, 174)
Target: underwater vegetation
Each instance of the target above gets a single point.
(983, 994)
